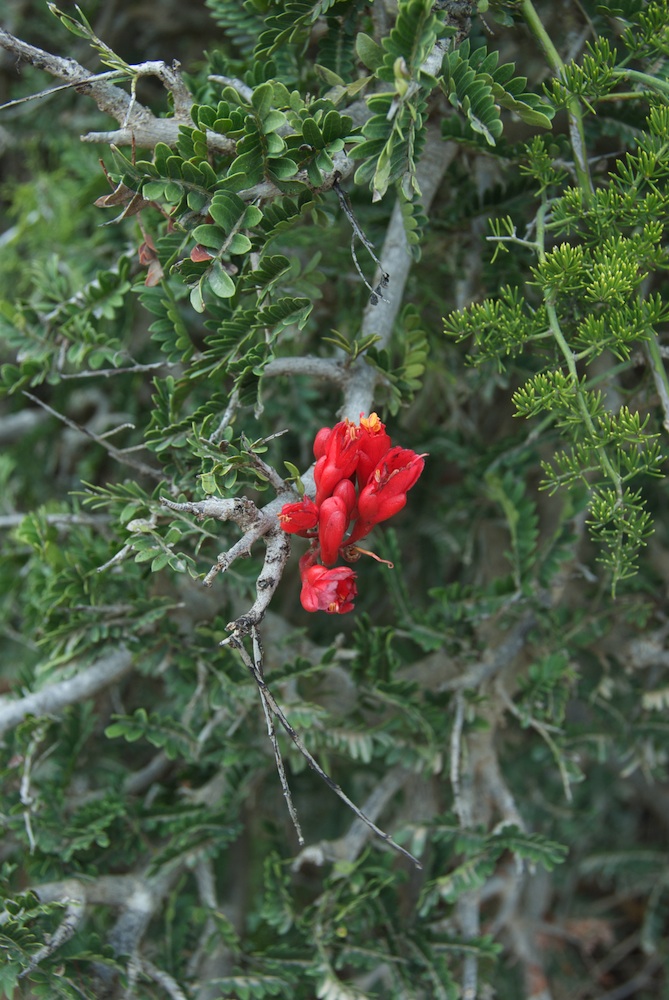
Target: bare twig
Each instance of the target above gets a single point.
(352, 843)
(233, 405)
(139, 126)
(495, 660)
(145, 894)
(277, 550)
(375, 293)
(109, 372)
(231, 81)
(27, 800)
(239, 509)
(462, 806)
(111, 76)
(258, 524)
(163, 978)
(109, 98)
(238, 644)
(321, 368)
(137, 895)
(116, 453)
(257, 659)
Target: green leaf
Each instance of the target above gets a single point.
(220, 281)
(196, 298)
(262, 99)
(368, 51)
(312, 134)
(209, 236)
(239, 244)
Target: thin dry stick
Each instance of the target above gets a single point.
(271, 732)
(237, 643)
(141, 467)
(375, 293)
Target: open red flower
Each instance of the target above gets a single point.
(298, 518)
(386, 491)
(373, 444)
(330, 590)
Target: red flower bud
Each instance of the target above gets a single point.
(345, 490)
(298, 518)
(333, 523)
(330, 590)
(321, 440)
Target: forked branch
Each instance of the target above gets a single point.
(254, 665)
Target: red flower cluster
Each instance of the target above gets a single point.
(361, 480)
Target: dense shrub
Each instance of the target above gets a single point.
(448, 214)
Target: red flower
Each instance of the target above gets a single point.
(361, 480)
(345, 490)
(321, 440)
(386, 491)
(333, 522)
(298, 518)
(331, 590)
(373, 444)
(338, 460)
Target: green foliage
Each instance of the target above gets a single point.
(595, 300)
(395, 133)
(403, 378)
(480, 852)
(241, 22)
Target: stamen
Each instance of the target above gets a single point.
(356, 552)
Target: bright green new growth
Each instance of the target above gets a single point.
(588, 300)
